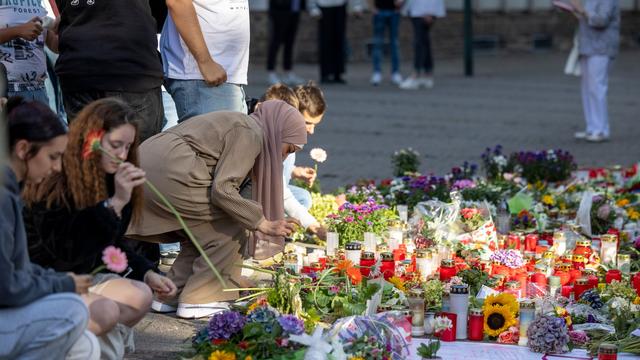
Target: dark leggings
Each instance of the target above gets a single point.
(422, 58)
(283, 26)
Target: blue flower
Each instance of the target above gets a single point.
(291, 324)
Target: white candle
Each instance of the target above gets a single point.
(403, 212)
(609, 249)
(332, 243)
(559, 243)
(370, 242)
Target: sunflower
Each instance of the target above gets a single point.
(498, 319)
(502, 299)
(222, 355)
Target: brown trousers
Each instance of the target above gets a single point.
(223, 242)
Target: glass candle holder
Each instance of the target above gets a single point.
(607, 352)
(608, 249)
(403, 212)
(423, 263)
(459, 298)
(527, 314)
(559, 242)
(395, 235)
(416, 305)
(476, 325)
(387, 265)
(530, 242)
(581, 285)
(352, 252)
(367, 260)
(447, 270)
(370, 242)
(624, 263)
(613, 274)
(332, 243)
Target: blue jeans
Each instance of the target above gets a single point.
(195, 97)
(32, 95)
(381, 20)
(302, 195)
(170, 112)
(43, 329)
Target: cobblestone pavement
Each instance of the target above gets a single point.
(521, 101)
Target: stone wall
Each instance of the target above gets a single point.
(511, 30)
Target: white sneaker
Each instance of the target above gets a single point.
(426, 82)
(396, 78)
(596, 138)
(376, 78)
(410, 83)
(273, 78)
(195, 311)
(293, 79)
(581, 135)
(162, 308)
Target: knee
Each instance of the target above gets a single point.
(105, 314)
(144, 296)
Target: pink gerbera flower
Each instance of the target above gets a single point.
(114, 259)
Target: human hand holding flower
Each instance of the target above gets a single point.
(305, 174)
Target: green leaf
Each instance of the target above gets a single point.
(252, 330)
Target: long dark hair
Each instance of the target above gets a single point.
(32, 121)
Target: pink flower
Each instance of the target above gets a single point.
(510, 336)
(114, 259)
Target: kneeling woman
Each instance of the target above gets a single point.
(201, 166)
(74, 215)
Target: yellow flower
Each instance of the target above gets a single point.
(636, 301)
(622, 202)
(548, 200)
(498, 319)
(222, 355)
(356, 358)
(248, 357)
(633, 214)
(502, 299)
(398, 283)
(562, 312)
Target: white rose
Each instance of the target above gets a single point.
(318, 155)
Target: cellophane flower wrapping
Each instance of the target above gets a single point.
(385, 333)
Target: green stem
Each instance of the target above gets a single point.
(98, 269)
(179, 218)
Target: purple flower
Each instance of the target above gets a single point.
(291, 324)
(548, 334)
(224, 325)
(604, 211)
(637, 243)
(463, 184)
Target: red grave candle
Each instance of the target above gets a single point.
(450, 334)
(530, 242)
(566, 291)
(565, 277)
(367, 260)
(580, 286)
(636, 283)
(447, 270)
(476, 325)
(613, 274)
(540, 281)
(513, 241)
(387, 265)
(574, 275)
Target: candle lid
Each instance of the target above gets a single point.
(582, 281)
(607, 348)
(291, 257)
(624, 257)
(583, 243)
(459, 289)
(447, 263)
(367, 255)
(554, 280)
(395, 224)
(527, 305)
(353, 246)
(578, 258)
(512, 285)
(386, 256)
(382, 248)
(566, 266)
(516, 233)
(315, 265)
(423, 254)
(588, 272)
(548, 255)
(475, 312)
(609, 238)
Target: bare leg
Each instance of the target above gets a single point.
(103, 313)
(133, 299)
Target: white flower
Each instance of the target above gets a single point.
(318, 155)
(441, 323)
(500, 160)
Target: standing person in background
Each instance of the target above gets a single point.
(109, 49)
(284, 16)
(205, 53)
(22, 39)
(332, 29)
(598, 43)
(423, 14)
(386, 15)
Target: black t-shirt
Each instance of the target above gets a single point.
(385, 4)
(108, 45)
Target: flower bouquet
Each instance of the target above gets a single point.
(543, 166)
(352, 221)
(405, 161)
(262, 333)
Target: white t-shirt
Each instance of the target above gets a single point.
(25, 60)
(225, 26)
